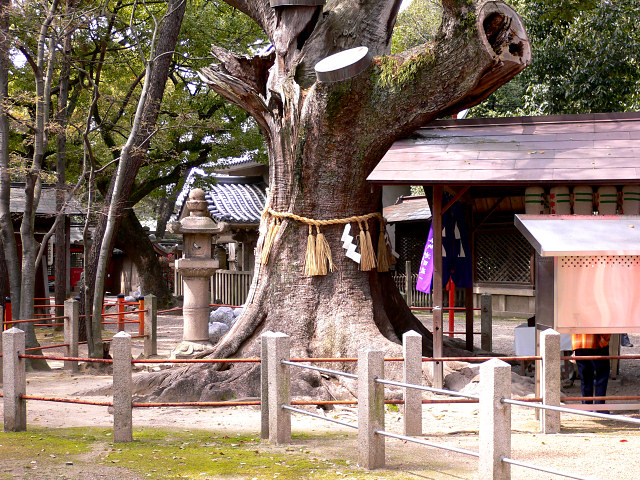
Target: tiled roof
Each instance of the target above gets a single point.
(236, 202)
(562, 149)
(46, 205)
(242, 166)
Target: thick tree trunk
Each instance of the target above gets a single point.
(133, 240)
(165, 209)
(323, 140)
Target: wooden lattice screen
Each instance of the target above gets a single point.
(502, 256)
(410, 249)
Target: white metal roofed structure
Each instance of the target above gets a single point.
(487, 164)
(588, 274)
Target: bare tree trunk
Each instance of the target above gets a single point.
(131, 157)
(42, 66)
(7, 232)
(166, 208)
(323, 140)
(62, 242)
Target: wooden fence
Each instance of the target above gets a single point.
(229, 287)
(421, 299)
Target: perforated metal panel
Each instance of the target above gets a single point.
(594, 261)
(597, 294)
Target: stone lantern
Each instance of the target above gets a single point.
(196, 268)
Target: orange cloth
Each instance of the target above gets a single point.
(588, 340)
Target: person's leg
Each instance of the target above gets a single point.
(586, 371)
(602, 369)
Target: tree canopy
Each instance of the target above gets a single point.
(586, 59)
(586, 56)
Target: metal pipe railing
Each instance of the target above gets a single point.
(544, 469)
(427, 443)
(426, 389)
(332, 420)
(573, 411)
(320, 369)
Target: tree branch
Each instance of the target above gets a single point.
(347, 24)
(241, 80)
(176, 173)
(258, 10)
(460, 70)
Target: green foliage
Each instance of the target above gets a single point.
(586, 59)
(416, 25)
(196, 128)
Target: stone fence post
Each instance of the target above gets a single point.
(1, 330)
(71, 326)
(370, 409)
(264, 387)
(150, 326)
(486, 327)
(278, 387)
(550, 380)
(412, 373)
(122, 387)
(495, 421)
(15, 381)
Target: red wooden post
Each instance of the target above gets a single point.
(141, 316)
(451, 288)
(120, 312)
(8, 314)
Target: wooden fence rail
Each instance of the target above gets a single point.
(229, 287)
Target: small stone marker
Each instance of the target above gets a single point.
(343, 65)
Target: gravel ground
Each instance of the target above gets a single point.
(588, 448)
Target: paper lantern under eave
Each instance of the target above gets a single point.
(343, 65)
(607, 200)
(582, 200)
(560, 201)
(534, 200)
(631, 200)
(296, 3)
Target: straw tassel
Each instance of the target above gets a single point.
(368, 258)
(270, 236)
(323, 253)
(384, 260)
(310, 262)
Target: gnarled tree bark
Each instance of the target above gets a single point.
(323, 139)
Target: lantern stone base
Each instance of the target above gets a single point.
(190, 349)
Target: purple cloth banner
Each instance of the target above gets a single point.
(425, 274)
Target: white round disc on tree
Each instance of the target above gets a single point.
(296, 3)
(343, 65)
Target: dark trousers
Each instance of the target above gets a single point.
(593, 373)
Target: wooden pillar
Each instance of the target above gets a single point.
(436, 218)
(468, 310)
(67, 254)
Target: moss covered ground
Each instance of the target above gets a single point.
(166, 454)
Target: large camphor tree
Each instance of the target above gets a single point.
(323, 139)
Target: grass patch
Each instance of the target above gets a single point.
(180, 454)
